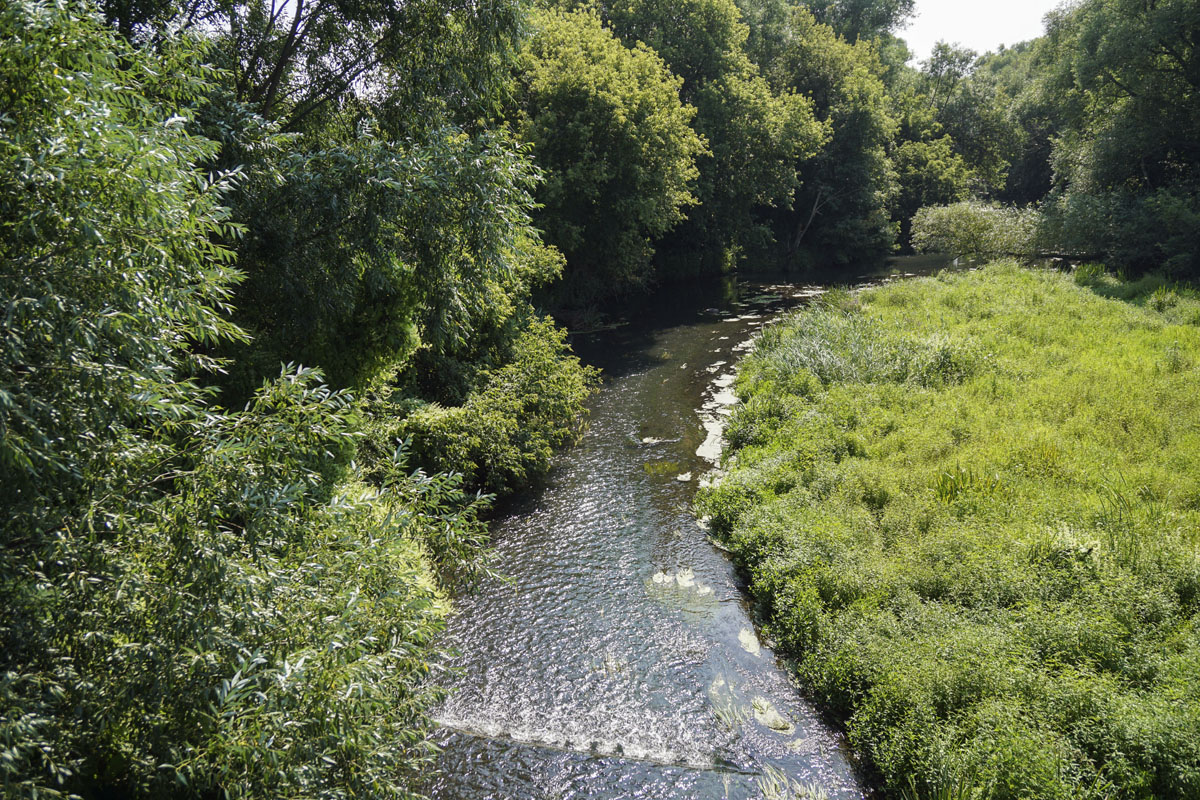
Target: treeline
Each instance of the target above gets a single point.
(1093, 129)
(803, 138)
(685, 137)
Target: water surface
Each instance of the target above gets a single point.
(619, 660)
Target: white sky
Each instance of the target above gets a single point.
(981, 25)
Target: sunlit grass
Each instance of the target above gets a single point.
(970, 506)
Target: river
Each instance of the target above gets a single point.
(619, 659)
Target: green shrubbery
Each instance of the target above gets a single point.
(501, 438)
(991, 570)
(972, 229)
(197, 600)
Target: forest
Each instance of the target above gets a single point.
(287, 291)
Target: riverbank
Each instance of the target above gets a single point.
(969, 507)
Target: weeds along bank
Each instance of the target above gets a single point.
(969, 507)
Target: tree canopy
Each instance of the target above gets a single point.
(607, 124)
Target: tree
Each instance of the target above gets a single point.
(861, 19)
(945, 70)
(929, 173)
(841, 207)
(300, 63)
(1127, 161)
(1036, 115)
(205, 602)
(359, 253)
(974, 112)
(109, 240)
(1133, 70)
(607, 126)
(755, 135)
(928, 170)
(384, 220)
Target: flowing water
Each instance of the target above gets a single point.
(619, 659)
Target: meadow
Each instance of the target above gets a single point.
(968, 507)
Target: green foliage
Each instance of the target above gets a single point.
(929, 173)
(380, 213)
(1125, 159)
(606, 123)
(992, 578)
(862, 19)
(1089, 273)
(972, 229)
(841, 208)
(755, 135)
(111, 270)
(303, 66)
(1135, 231)
(1035, 113)
(198, 601)
(1130, 70)
(974, 112)
(835, 346)
(254, 630)
(359, 253)
(504, 433)
(699, 40)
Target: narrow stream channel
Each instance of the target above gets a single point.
(620, 661)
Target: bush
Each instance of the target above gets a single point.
(972, 229)
(503, 435)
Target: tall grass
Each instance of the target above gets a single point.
(970, 508)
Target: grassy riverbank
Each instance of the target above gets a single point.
(970, 510)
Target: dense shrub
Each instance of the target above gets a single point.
(971, 229)
(992, 577)
(1136, 232)
(197, 601)
(503, 435)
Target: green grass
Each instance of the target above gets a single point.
(970, 510)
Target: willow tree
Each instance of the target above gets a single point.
(198, 602)
(387, 218)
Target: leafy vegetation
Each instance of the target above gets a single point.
(843, 203)
(1094, 124)
(608, 123)
(976, 230)
(501, 438)
(756, 135)
(260, 257)
(969, 509)
(220, 576)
